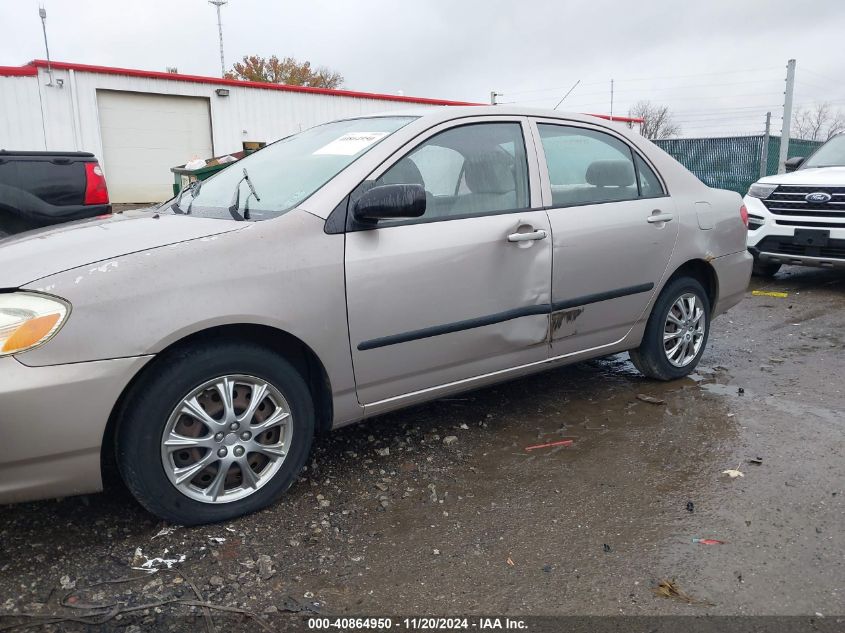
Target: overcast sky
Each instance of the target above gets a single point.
(718, 64)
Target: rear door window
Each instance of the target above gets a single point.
(586, 166)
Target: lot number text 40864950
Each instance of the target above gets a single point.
(417, 624)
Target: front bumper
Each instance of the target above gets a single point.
(52, 421)
(774, 241)
(796, 260)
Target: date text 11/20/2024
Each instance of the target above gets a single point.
(416, 624)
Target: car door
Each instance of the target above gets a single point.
(464, 290)
(613, 226)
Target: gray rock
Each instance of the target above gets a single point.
(265, 567)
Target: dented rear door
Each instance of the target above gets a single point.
(614, 228)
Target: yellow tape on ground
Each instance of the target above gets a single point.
(769, 293)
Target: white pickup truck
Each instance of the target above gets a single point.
(798, 218)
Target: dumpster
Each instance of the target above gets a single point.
(183, 177)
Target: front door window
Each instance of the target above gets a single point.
(466, 171)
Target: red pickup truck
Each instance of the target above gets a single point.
(42, 188)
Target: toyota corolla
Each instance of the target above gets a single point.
(354, 268)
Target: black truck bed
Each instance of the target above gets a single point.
(43, 188)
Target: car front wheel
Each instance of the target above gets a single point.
(214, 432)
(676, 332)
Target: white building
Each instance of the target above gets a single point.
(141, 123)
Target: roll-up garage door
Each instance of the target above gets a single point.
(144, 135)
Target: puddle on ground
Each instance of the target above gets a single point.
(719, 389)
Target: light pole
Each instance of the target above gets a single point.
(218, 4)
(42, 13)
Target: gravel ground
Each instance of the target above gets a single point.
(439, 509)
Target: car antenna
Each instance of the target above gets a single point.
(567, 94)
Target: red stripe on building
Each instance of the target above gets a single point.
(621, 119)
(18, 71)
(151, 74)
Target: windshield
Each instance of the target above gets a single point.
(290, 170)
(830, 154)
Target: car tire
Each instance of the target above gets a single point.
(761, 269)
(653, 358)
(163, 437)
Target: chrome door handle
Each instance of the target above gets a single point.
(539, 234)
(660, 217)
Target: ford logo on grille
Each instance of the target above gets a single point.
(817, 196)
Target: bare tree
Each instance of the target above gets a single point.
(657, 120)
(817, 123)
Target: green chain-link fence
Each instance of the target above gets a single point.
(731, 162)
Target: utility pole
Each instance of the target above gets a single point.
(42, 12)
(218, 4)
(787, 115)
(611, 100)
(764, 152)
(493, 95)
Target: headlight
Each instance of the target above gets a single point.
(759, 190)
(27, 320)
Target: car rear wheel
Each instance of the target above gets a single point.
(214, 432)
(761, 269)
(676, 332)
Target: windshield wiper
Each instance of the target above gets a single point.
(194, 188)
(195, 191)
(236, 199)
(175, 204)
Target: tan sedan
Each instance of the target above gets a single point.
(354, 268)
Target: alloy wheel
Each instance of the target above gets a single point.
(226, 438)
(683, 332)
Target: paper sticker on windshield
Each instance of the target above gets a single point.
(351, 143)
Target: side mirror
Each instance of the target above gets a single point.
(793, 163)
(390, 202)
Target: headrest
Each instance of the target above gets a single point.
(491, 172)
(610, 173)
(405, 172)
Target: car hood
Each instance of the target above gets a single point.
(36, 254)
(813, 176)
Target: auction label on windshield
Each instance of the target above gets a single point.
(351, 143)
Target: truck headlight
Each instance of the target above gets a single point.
(28, 320)
(759, 190)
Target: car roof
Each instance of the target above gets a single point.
(439, 114)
